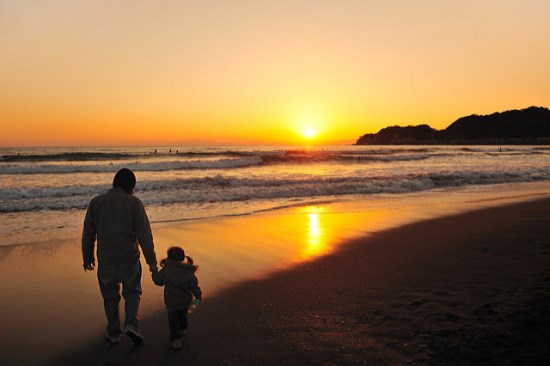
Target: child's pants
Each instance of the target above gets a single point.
(177, 321)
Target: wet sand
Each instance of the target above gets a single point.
(470, 288)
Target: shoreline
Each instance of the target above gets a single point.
(466, 288)
(62, 226)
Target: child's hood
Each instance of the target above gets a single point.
(179, 273)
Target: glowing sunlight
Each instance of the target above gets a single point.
(309, 133)
(316, 241)
(309, 125)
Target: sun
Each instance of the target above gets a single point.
(308, 126)
(309, 133)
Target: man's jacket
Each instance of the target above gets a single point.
(118, 221)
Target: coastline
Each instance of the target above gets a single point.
(466, 288)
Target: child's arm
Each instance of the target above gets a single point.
(158, 277)
(195, 289)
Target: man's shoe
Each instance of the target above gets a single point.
(134, 335)
(112, 339)
(176, 344)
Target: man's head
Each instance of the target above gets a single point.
(126, 180)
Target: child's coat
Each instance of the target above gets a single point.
(180, 284)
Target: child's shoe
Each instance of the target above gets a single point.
(176, 344)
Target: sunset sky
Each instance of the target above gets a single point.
(261, 72)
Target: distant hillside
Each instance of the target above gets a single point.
(526, 126)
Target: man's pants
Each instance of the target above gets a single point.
(110, 276)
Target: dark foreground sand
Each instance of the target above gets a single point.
(463, 290)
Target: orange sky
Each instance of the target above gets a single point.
(261, 72)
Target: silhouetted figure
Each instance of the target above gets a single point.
(180, 286)
(117, 220)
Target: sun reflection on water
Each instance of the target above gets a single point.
(315, 241)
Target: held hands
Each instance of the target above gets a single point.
(91, 266)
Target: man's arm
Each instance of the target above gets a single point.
(88, 240)
(142, 229)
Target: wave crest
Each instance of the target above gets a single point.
(223, 188)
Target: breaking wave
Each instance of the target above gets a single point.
(223, 188)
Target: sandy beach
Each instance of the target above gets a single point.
(434, 287)
(357, 182)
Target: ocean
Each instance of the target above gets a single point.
(44, 192)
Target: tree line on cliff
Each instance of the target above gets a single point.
(525, 126)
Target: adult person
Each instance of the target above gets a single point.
(118, 221)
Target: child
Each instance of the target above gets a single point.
(180, 285)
